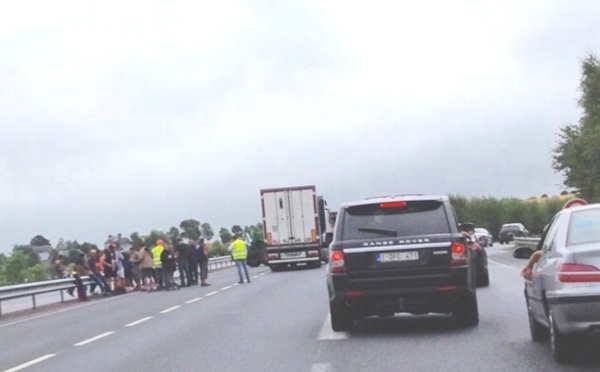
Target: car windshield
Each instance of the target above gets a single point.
(584, 227)
(415, 218)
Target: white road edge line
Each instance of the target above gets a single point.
(327, 333)
(503, 265)
(211, 293)
(170, 309)
(30, 363)
(89, 340)
(193, 300)
(138, 321)
(263, 274)
(255, 276)
(225, 288)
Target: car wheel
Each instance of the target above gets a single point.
(341, 319)
(315, 264)
(539, 333)
(465, 312)
(483, 278)
(561, 344)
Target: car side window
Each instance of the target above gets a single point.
(551, 234)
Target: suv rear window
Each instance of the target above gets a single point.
(407, 219)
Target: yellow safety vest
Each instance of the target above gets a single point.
(156, 252)
(239, 250)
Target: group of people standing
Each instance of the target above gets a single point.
(114, 271)
(189, 258)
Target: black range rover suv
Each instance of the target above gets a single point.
(400, 254)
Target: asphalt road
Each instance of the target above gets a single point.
(279, 322)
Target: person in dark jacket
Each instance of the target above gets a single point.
(169, 265)
(193, 261)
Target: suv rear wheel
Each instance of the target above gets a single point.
(465, 312)
(341, 319)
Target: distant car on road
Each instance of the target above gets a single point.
(563, 296)
(400, 254)
(484, 237)
(509, 231)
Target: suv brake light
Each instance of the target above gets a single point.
(398, 204)
(336, 262)
(575, 273)
(459, 255)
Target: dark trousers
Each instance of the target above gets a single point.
(159, 278)
(194, 272)
(184, 273)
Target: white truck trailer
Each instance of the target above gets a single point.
(295, 221)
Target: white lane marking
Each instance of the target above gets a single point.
(263, 274)
(170, 309)
(255, 276)
(138, 321)
(327, 333)
(234, 284)
(503, 265)
(321, 367)
(211, 293)
(193, 300)
(30, 363)
(89, 340)
(225, 288)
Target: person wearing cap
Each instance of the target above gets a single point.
(239, 253)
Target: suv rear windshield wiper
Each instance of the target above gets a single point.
(379, 231)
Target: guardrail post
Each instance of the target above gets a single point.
(62, 296)
(33, 298)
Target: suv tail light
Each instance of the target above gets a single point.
(336, 262)
(575, 273)
(459, 255)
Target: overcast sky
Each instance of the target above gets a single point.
(135, 115)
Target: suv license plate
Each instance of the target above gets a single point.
(398, 256)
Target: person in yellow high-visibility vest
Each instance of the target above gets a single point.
(239, 253)
(157, 263)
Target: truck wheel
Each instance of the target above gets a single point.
(315, 264)
(253, 261)
(274, 267)
(465, 312)
(341, 320)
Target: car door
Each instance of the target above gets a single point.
(541, 272)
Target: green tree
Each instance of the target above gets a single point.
(190, 228)
(136, 240)
(236, 229)
(207, 231)
(577, 155)
(87, 247)
(39, 241)
(225, 235)
(173, 234)
(155, 235)
(15, 267)
(32, 257)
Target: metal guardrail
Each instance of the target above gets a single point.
(526, 242)
(32, 289)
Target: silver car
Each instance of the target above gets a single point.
(484, 237)
(563, 296)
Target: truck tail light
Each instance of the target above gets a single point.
(459, 255)
(336, 262)
(575, 273)
(273, 256)
(313, 253)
